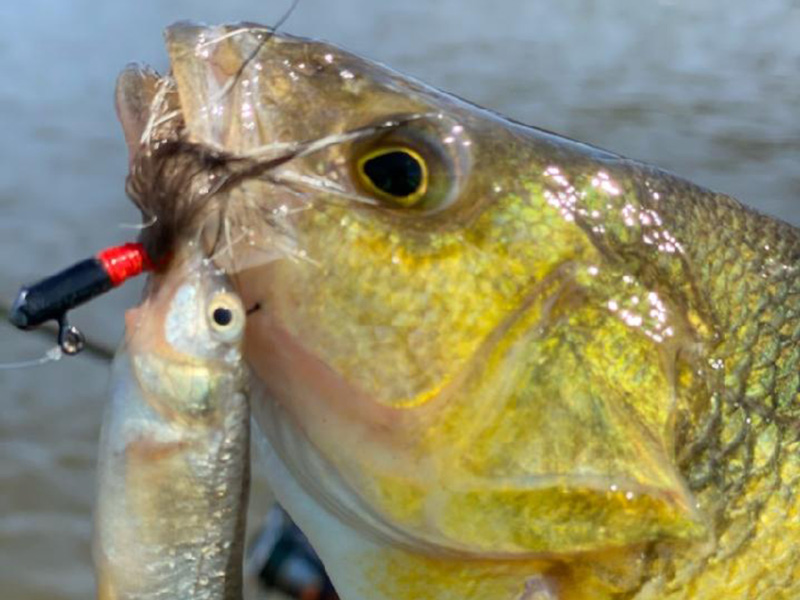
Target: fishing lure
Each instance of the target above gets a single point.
(52, 297)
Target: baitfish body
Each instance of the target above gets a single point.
(492, 363)
(174, 451)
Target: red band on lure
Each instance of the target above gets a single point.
(123, 262)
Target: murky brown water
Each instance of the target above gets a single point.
(706, 88)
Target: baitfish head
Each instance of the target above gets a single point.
(482, 348)
(186, 340)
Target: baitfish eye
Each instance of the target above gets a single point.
(222, 316)
(394, 173)
(226, 316)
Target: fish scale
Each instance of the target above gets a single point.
(752, 354)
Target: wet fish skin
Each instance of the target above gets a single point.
(174, 452)
(571, 376)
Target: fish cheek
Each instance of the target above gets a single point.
(180, 392)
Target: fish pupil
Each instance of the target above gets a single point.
(396, 173)
(222, 316)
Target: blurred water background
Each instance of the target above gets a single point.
(706, 88)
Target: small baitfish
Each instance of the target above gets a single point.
(490, 363)
(174, 451)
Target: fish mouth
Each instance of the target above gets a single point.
(231, 112)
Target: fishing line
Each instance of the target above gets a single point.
(91, 346)
(55, 353)
(251, 57)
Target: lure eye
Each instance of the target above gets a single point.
(226, 316)
(396, 174)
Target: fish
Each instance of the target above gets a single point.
(489, 362)
(173, 467)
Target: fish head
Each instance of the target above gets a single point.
(458, 355)
(185, 339)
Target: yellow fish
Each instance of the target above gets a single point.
(492, 363)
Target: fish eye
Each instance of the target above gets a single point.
(416, 167)
(222, 316)
(226, 316)
(394, 173)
